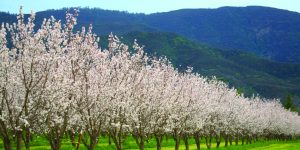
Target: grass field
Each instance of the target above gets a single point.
(41, 143)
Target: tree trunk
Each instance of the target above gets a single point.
(109, 140)
(54, 137)
(7, 144)
(243, 139)
(208, 139)
(19, 140)
(226, 139)
(167, 138)
(93, 142)
(186, 141)
(237, 138)
(139, 140)
(72, 138)
(117, 139)
(119, 146)
(55, 143)
(230, 139)
(218, 144)
(117, 143)
(177, 142)
(197, 140)
(218, 139)
(27, 139)
(176, 139)
(93, 139)
(79, 140)
(158, 139)
(250, 139)
(142, 144)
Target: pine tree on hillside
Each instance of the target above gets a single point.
(288, 103)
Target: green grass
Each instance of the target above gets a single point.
(40, 143)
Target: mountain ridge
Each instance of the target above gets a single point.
(269, 32)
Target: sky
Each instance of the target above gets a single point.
(141, 6)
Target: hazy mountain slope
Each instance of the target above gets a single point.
(269, 32)
(103, 21)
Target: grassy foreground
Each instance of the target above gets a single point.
(41, 143)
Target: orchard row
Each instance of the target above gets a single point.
(55, 81)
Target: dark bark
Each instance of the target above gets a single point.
(177, 141)
(27, 138)
(230, 139)
(109, 140)
(218, 144)
(197, 139)
(243, 140)
(237, 138)
(117, 137)
(93, 142)
(218, 139)
(19, 140)
(56, 134)
(5, 136)
(7, 144)
(226, 138)
(158, 139)
(176, 138)
(208, 139)
(117, 142)
(55, 144)
(140, 141)
(93, 139)
(79, 140)
(72, 138)
(249, 139)
(117, 133)
(186, 141)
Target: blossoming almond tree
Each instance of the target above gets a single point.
(55, 111)
(7, 98)
(28, 75)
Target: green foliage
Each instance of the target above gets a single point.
(288, 103)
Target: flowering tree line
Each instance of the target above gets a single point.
(56, 82)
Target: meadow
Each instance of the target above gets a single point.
(41, 143)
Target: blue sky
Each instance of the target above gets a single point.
(141, 6)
